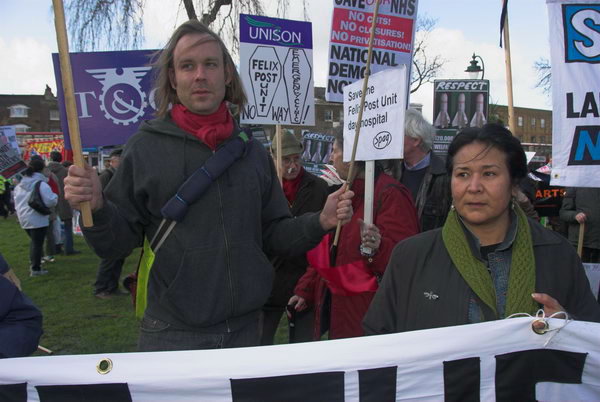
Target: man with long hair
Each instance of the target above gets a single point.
(210, 276)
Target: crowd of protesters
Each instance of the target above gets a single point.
(450, 243)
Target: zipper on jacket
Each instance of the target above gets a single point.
(226, 251)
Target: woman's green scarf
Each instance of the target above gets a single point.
(521, 280)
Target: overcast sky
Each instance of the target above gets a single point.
(27, 39)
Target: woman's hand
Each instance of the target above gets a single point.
(298, 302)
(370, 237)
(550, 304)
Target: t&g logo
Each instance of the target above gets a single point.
(582, 33)
(122, 99)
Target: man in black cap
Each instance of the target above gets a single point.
(305, 193)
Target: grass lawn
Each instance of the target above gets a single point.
(76, 322)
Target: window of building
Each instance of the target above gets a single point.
(533, 122)
(328, 115)
(21, 128)
(341, 115)
(18, 111)
(533, 138)
(543, 123)
(520, 121)
(54, 115)
(543, 139)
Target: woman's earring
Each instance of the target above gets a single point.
(452, 207)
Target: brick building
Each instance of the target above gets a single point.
(37, 113)
(533, 127)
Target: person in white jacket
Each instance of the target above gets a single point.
(34, 223)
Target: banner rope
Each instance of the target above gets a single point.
(540, 317)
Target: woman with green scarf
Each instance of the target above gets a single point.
(489, 260)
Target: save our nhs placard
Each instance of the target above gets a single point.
(276, 66)
(383, 112)
(112, 92)
(350, 31)
(575, 55)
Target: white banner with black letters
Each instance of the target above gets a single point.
(501, 360)
(575, 54)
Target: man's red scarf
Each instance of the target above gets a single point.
(291, 187)
(212, 129)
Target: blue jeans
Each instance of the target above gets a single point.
(156, 335)
(68, 236)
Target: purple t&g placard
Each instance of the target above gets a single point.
(112, 92)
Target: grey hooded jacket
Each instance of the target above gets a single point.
(211, 273)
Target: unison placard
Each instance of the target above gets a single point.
(276, 67)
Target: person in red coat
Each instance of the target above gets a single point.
(342, 294)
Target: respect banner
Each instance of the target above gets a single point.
(276, 66)
(349, 41)
(317, 151)
(113, 95)
(10, 155)
(500, 360)
(575, 54)
(383, 113)
(457, 104)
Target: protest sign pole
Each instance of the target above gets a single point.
(359, 121)
(69, 93)
(580, 241)
(509, 86)
(278, 151)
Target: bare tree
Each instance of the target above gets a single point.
(425, 66)
(544, 72)
(117, 24)
(112, 24)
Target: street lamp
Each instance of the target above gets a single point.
(474, 68)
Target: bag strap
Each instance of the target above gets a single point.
(191, 190)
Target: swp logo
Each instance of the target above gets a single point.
(586, 146)
(582, 33)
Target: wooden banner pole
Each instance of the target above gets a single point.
(580, 241)
(278, 135)
(351, 174)
(509, 84)
(69, 95)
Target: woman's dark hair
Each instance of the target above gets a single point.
(494, 136)
(338, 134)
(35, 165)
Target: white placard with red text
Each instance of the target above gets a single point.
(349, 40)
